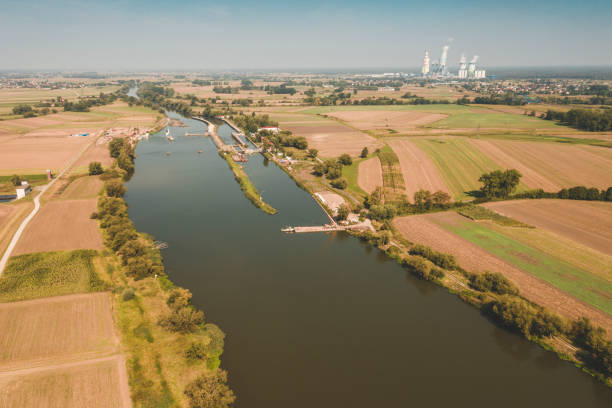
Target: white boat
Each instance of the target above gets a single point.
(168, 135)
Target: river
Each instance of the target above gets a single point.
(316, 320)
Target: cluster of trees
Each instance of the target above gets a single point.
(281, 89)
(250, 123)
(121, 150)
(493, 282)
(159, 98)
(592, 120)
(83, 105)
(422, 269)
(283, 138)
(573, 193)
(332, 169)
(440, 259)
(95, 168)
(225, 90)
(499, 184)
(425, 200)
(201, 82)
(183, 317)
(210, 391)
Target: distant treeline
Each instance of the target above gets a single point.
(159, 98)
(592, 120)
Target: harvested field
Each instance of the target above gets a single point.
(552, 166)
(11, 215)
(55, 329)
(586, 222)
(418, 170)
(334, 139)
(384, 120)
(98, 153)
(434, 230)
(459, 163)
(96, 383)
(83, 188)
(62, 225)
(369, 175)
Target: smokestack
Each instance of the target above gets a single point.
(425, 67)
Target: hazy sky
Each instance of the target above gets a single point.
(190, 34)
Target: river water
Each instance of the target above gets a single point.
(316, 320)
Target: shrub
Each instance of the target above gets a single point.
(183, 320)
(115, 147)
(178, 298)
(420, 268)
(364, 153)
(343, 212)
(210, 391)
(333, 173)
(445, 261)
(115, 188)
(95, 168)
(381, 212)
(128, 294)
(339, 183)
(519, 315)
(197, 351)
(493, 282)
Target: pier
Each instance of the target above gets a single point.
(362, 226)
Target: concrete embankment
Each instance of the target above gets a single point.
(212, 131)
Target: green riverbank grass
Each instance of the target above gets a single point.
(247, 186)
(45, 274)
(564, 276)
(477, 212)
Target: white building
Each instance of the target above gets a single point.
(23, 190)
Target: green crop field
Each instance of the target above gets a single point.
(44, 274)
(459, 163)
(471, 119)
(584, 286)
(351, 173)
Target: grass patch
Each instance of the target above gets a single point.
(471, 119)
(247, 186)
(45, 274)
(564, 276)
(351, 174)
(476, 212)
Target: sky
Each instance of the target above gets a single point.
(314, 34)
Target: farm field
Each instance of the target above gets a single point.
(32, 145)
(55, 329)
(394, 187)
(542, 278)
(489, 119)
(83, 188)
(369, 175)
(586, 222)
(417, 168)
(47, 274)
(100, 383)
(62, 225)
(551, 166)
(11, 215)
(387, 121)
(458, 162)
(10, 97)
(334, 139)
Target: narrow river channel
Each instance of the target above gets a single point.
(316, 320)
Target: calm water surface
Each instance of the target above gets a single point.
(319, 320)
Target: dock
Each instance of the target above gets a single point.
(362, 226)
(212, 132)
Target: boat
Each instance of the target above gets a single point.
(199, 151)
(288, 229)
(168, 135)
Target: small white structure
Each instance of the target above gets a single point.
(386, 89)
(273, 129)
(23, 190)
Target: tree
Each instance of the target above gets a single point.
(319, 169)
(183, 320)
(16, 180)
(343, 212)
(210, 391)
(364, 153)
(423, 199)
(312, 153)
(345, 160)
(22, 109)
(95, 168)
(499, 184)
(493, 282)
(115, 147)
(115, 188)
(441, 198)
(339, 183)
(333, 173)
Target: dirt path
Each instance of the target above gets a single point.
(369, 175)
(417, 168)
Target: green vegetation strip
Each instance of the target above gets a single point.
(574, 281)
(47, 274)
(247, 186)
(393, 180)
(476, 212)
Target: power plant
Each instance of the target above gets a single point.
(439, 70)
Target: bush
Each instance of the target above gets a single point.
(128, 294)
(179, 298)
(420, 268)
(114, 188)
(333, 173)
(343, 212)
(183, 320)
(445, 261)
(115, 147)
(339, 183)
(493, 282)
(381, 212)
(197, 351)
(519, 315)
(95, 168)
(345, 160)
(210, 391)
(364, 153)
